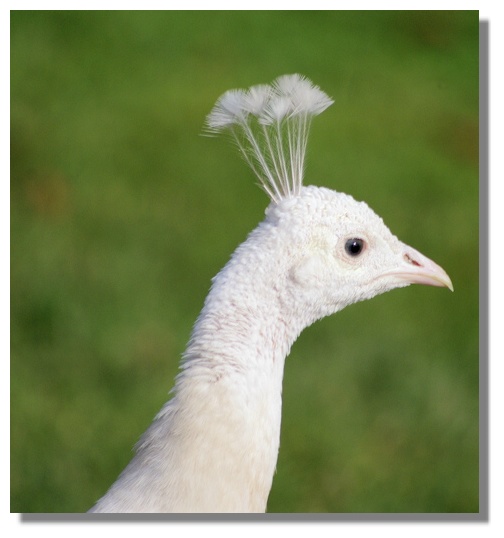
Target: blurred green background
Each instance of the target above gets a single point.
(121, 213)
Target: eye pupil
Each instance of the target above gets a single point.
(354, 246)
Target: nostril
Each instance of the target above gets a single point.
(409, 259)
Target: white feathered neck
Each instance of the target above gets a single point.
(214, 445)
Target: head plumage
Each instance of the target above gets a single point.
(270, 124)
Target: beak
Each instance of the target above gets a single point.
(418, 269)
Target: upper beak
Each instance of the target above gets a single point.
(418, 269)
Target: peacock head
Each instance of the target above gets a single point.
(339, 250)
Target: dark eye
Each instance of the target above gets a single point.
(354, 246)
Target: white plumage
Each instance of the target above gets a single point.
(213, 447)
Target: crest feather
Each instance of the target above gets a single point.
(270, 124)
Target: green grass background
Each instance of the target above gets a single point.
(121, 213)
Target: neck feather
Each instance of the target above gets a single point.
(214, 445)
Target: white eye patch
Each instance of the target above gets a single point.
(310, 271)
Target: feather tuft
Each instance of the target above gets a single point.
(270, 125)
(257, 98)
(228, 110)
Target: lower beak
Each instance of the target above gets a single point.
(418, 269)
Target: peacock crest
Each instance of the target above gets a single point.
(270, 125)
